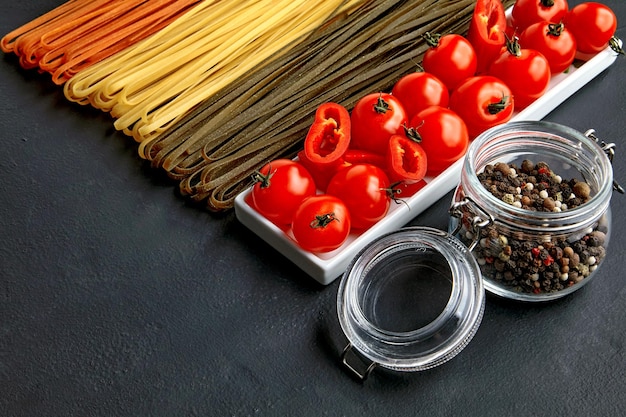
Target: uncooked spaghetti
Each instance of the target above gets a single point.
(152, 84)
(214, 149)
(80, 33)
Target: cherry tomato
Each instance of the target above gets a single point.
(593, 25)
(321, 173)
(482, 102)
(443, 135)
(321, 223)
(374, 118)
(419, 90)
(525, 71)
(280, 186)
(451, 58)
(527, 12)
(364, 188)
(554, 41)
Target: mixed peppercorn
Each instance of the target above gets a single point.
(533, 186)
(528, 263)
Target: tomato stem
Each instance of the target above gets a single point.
(432, 39)
(495, 108)
(412, 133)
(555, 29)
(323, 220)
(393, 190)
(547, 3)
(264, 180)
(513, 46)
(381, 105)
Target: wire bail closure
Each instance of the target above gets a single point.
(348, 353)
(476, 222)
(609, 150)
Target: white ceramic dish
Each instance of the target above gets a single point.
(325, 268)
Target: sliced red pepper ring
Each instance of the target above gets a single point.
(487, 31)
(406, 160)
(329, 135)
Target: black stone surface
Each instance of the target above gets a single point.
(117, 298)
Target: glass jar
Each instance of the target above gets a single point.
(409, 301)
(524, 252)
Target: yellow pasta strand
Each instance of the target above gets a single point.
(152, 84)
(165, 116)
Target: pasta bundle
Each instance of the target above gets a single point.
(152, 84)
(213, 89)
(79, 33)
(266, 114)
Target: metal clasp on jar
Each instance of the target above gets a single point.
(354, 362)
(475, 223)
(609, 150)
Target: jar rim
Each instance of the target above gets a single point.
(564, 136)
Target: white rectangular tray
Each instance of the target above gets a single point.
(325, 268)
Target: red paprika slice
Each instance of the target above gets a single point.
(486, 32)
(329, 135)
(406, 160)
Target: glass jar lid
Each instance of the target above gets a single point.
(411, 300)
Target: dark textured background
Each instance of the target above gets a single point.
(119, 299)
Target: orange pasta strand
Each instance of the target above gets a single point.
(7, 43)
(80, 33)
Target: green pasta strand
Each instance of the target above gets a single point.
(213, 150)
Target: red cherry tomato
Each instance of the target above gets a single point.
(482, 102)
(593, 25)
(321, 173)
(419, 90)
(451, 58)
(443, 135)
(525, 71)
(374, 119)
(554, 41)
(364, 188)
(280, 186)
(527, 12)
(321, 223)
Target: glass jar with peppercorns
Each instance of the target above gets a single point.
(530, 220)
(533, 206)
